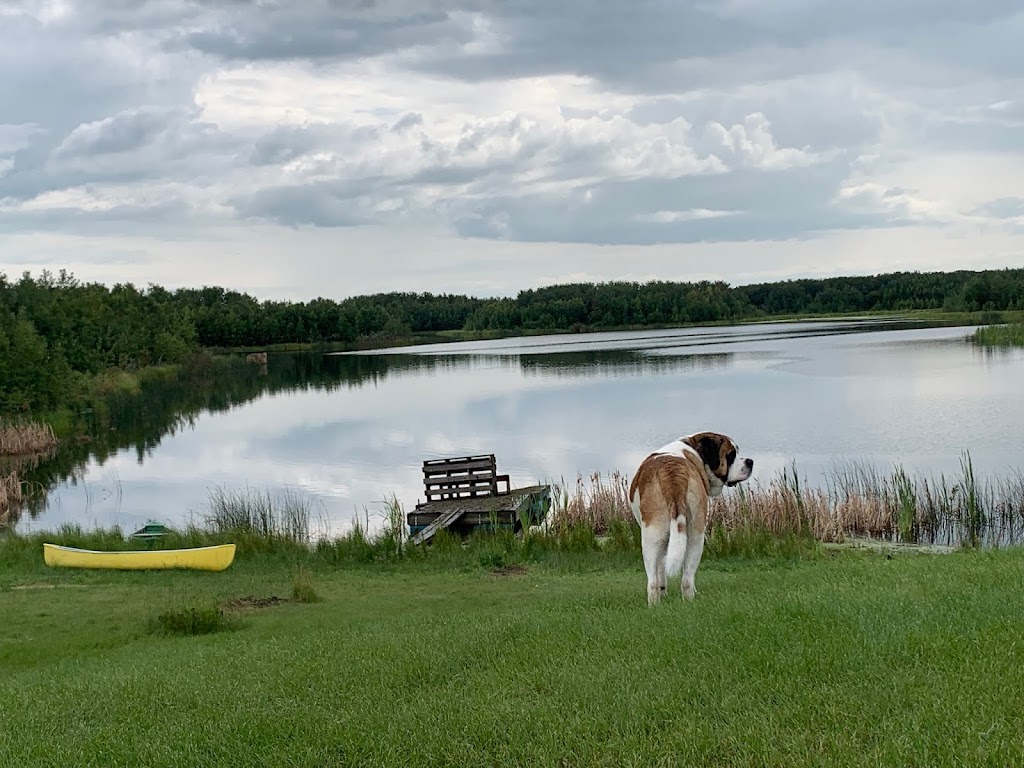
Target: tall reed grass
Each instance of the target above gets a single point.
(857, 500)
(250, 512)
(360, 544)
(596, 506)
(1010, 335)
(26, 438)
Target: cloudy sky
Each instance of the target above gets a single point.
(336, 147)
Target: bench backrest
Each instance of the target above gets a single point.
(463, 477)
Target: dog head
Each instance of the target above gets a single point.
(721, 460)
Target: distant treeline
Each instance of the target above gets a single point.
(55, 330)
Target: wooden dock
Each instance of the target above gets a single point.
(463, 495)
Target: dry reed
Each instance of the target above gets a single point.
(595, 506)
(11, 498)
(26, 438)
(857, 500)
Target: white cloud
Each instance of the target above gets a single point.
(894, 203)
(694, 214)
(752, 142)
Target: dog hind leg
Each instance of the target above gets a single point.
(654, 540)
(694, 551)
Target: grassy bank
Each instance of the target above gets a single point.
(840, 659)
(90, 393)
(88, 396)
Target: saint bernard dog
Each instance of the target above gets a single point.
(669, 496)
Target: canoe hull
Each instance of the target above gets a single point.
(215, 558)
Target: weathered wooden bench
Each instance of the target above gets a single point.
(464, 493)
(463, 477)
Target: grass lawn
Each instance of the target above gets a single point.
(837, 659)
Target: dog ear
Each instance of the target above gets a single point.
(709, 448)
(711, 451)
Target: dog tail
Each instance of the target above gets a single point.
(676, 547)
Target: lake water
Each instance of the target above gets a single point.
(349, 430)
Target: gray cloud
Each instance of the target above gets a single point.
(671, 46)
(123, 132)
(132, 217)
(324, 204)
(136, 159)
(743, 206)
(1001, 208)
(286, 143)
(408, 120)
(318, 31)
(686, 122)
(91, 97)
(14, 137)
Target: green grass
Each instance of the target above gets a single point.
(284, 516)
(192, 620)
(811, 659)
(303, 590)
(1009, 335)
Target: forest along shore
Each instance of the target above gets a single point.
(64, 343)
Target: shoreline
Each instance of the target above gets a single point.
(937, 318)
(91, 389)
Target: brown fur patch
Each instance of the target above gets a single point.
(665, 484)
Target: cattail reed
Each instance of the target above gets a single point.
(26, 438)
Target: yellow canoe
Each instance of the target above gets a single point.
(215, 558)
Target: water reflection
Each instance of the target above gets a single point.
(618, 363)
(349, 429)
(654, 340)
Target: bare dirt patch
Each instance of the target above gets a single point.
(510, 570)
(254, 603)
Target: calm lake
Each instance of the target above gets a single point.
(349, 430)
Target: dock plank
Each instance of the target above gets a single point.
(443, 521)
